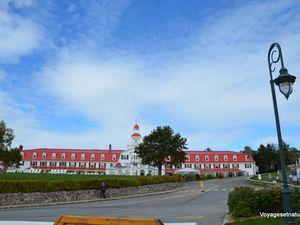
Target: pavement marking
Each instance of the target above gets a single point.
(192, 217)
(205, 190)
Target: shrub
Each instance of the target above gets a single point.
(67, 185)
(245, 202)
(240, 202)
(296, 200)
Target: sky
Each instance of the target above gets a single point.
(81, 73)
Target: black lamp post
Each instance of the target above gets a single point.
(285, 82)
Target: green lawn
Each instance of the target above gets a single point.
(269, 176)
(46, 176)
(263, 221)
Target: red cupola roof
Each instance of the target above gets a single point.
(135, 135)
(136, 127)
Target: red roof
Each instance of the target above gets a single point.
(81, 155)
(136, 127)
(135, 135)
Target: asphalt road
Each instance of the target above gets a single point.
(186, 205)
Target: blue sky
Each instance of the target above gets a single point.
(78, 74)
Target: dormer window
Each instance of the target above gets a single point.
(102, 157)
(216, 158)
(197, 158)
(114, 157)
(53, 156)
(225, 158)
(73, 156)
(63, 156)
(187, 158)
(82, 156)
(234, 158)
(44, 156)
(247, 157)
(92, 156)
(206, 158)
(34, 155)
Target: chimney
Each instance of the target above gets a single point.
(247, 149)
(109, 147)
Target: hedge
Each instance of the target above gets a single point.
(246, 202)
(67, 185)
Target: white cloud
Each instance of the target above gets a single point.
(219, 84)
(19, 35)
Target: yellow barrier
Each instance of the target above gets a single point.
(91, 220)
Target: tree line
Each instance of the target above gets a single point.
(267, 157)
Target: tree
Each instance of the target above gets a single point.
(9, 156)
(268, 160)
(162, 147)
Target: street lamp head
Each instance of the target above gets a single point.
(285, 82)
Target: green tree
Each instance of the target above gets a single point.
(267, 158)
(162, 147)
(9, 156)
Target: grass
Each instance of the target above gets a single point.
(46, 176)
(269, 176)
(263, 221)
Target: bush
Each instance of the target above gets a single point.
(296, 200)
(245, 201)
(67, 185)
(240, 202)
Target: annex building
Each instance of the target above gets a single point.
(126, 162)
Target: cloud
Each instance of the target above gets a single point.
(19, 35)
(213, 89)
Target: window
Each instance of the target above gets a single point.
(52, 164)
(225, 158)
(101, 165)
(206, 158)
(72, 164)
(102, 157)
(62, 164)
(168, 166)
(207, 166)
(73, 156)
(92, 156)
(82, 165)
(82, 156)
(33, 163)
(197, 157)
(92, 165)
(197, 166)
(187, 165)
(248, 165)
(216, 158)
(43, 163)
(216, 166)
(34, 155)
(44, 155)
(247, 157)
(187, 158)
(114, 157)
(235, 166)
(63, 156)
(53, 156)
(234, 158)
(226, 165)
